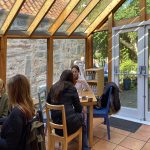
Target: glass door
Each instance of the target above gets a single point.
(147, 75)
(128, 64)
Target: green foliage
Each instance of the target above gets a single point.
(128, 66)
(100, 45)
(128, 10)
(148, 6)
(128, 50)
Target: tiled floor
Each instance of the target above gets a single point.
(120, 139)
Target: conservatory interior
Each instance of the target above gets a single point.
(41, 38)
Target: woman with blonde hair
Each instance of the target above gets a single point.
(21, 103)
(3, 100)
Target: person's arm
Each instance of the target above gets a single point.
(49, 97)
(14, 132)
(76, 101)
(84, 84)
(5, 106)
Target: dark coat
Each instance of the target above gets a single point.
(73, 108)
(13, 131)
(115, 100)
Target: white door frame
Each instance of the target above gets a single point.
(147, 113)
(141, 113)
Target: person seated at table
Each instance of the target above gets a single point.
(80, 83)
(64, 92)
(13, 129)
(3, 101)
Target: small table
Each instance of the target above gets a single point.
(89, 105)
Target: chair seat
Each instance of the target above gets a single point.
(100, 112)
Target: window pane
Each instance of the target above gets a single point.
(76, 12)
(28, 57)
(148, 6)
(129, 9)
(5, 7)
(26, 14)
(66, 51)
(93, 15)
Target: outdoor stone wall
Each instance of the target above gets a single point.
(29, 57)
(66, 51)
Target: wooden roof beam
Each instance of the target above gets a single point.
(62, 17)
(103, 16)
(11, 16)
(41, 14)
(82, 16)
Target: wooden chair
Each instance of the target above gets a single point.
(42, 95)
(52, 137)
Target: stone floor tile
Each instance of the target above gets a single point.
(132, 143)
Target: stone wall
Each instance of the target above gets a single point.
(66, 51)
(29, 57)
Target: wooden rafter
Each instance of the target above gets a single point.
(82, 16)
(42, 12)
(103, 16)
(65, 13)
(11, 16)
(103, 27)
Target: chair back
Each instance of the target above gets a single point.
(50, 124)
(109, 100)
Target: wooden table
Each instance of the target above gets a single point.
(89, 105)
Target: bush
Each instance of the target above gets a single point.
(128, 66)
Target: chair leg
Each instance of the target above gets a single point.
(65, 145)
(51, 143)
(45, 130)
(108, 127)
(80, 140)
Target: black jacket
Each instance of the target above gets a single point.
(13, 131)
(73, 108)
(115, 100)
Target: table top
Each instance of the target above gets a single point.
(85, 95)
(88, 94)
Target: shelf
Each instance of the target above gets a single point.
(92, 81)
(93, 69)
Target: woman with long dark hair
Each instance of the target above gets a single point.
(64, 92)
(21, 103)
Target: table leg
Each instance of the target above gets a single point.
(90, 125)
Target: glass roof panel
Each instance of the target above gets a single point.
(5, 7)
(52, 15)
(129, 9)
(75, 13)
(93, 15)
(26, 14)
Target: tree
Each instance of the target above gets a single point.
(128, 41)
